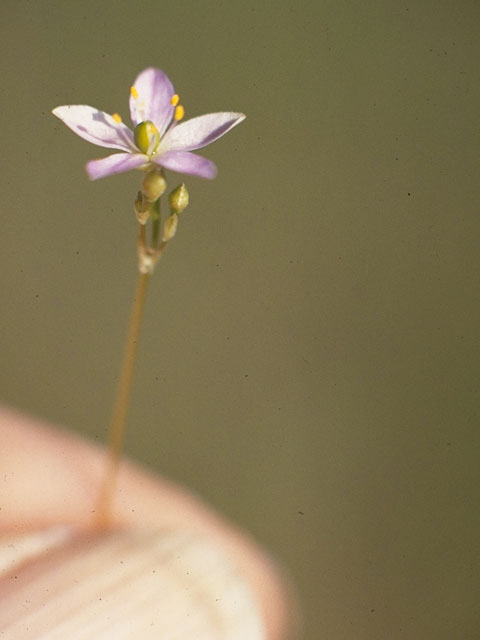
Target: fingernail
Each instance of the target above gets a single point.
(130, 583)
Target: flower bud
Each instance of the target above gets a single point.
(142, 208)
(153, 185)
(146, 137)
(178, 199)
(170, 227)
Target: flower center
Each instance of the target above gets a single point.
(146, 137)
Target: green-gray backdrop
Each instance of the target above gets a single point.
(310, 356)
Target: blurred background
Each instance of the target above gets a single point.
(309, 360)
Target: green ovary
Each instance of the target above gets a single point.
(146, 137)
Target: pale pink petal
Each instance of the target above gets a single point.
(96, 126)
(118, 163)
(198, 132)
(186, 162)
(151, 99)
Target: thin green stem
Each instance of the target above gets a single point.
(103, 513)
(155, 215)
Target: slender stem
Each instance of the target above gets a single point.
(155, 215)
(103, 514)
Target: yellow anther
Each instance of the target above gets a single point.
(117, 117)
(175, 99)
(179, 112)
(134, 92)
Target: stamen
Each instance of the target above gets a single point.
(117, 117)
(175, 100)
(134, 92)
(179, 112)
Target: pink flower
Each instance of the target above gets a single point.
(158, 139)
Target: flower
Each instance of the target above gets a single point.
(158, 139)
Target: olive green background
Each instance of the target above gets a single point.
(310, 355)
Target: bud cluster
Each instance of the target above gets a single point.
(153, 187)
(178, 202)
(147, 206)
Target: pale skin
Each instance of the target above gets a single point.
(51, 477)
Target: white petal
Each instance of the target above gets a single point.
(96, 126)
(186, 162)
(198, 132)
(151, 99)
(118, 163)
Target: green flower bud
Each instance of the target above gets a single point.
(178, 199)
(146, 137)
(153, 185)
(142, 208)
(170, 227)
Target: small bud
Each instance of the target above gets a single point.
(178, 199)
(170, 227)
(153, 185)
(142, 208)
